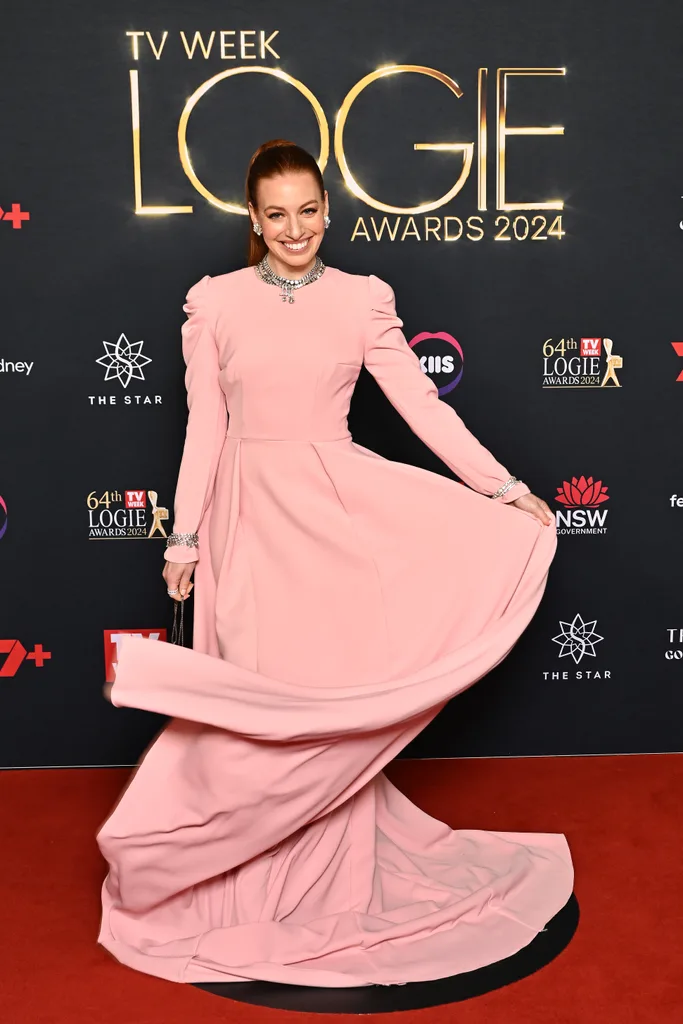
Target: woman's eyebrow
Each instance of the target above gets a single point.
(273, 207)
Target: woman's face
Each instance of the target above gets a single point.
(291, 211)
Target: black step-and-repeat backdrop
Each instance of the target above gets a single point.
(512, 169)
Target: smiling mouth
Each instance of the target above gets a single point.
(296, 246)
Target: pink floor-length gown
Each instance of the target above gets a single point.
(341, 600)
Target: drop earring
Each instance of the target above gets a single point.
(326, 221)
(257, 228)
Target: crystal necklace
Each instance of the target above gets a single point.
(288, 284)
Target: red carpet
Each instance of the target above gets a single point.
(623, 817)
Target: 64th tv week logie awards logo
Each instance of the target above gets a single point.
(582, 363)
(127, 515)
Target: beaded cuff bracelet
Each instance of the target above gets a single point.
(506, 487)
(190, 540)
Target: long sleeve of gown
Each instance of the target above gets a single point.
(206, 423)
(397, 370)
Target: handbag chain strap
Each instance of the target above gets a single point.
(178, 630)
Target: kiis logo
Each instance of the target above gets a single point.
(588, 363)
(577, 640)
(582, 499)
(3, 517)
(129, 516)
(17, 654)
(112, 639)
(440, 361)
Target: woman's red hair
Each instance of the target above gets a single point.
(277, 156)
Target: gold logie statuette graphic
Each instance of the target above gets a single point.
(158, 513)
(466, 150)
(614, 363)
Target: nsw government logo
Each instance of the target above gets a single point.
(577, 640)
(583, 499)
(582, 363)
(441, 358)
(127, 515)
(123, 362)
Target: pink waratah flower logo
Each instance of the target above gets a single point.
(584, 492)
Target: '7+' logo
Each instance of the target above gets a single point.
(16, 215)
(16, 652)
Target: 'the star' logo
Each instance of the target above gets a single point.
(123, 361)
(577, 638)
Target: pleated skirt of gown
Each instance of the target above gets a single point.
(341, 600)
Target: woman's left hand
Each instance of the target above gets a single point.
(537, 507)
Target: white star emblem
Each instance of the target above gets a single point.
(124, 360)
(577, 638)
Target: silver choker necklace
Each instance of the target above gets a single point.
(288, 284)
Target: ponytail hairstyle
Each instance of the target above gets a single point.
(277, 156)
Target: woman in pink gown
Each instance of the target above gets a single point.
(341, 600)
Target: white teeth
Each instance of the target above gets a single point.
(292, 245)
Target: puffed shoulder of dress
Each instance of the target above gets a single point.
(382, 298)
(197, 297)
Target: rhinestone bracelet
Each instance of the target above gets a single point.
(190, 540)
(506, 487)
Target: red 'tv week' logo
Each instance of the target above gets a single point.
(112, 638)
